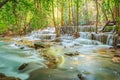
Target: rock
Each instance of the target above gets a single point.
(118, 46)
(116, 59)
(10, 78)
(40, 45)
(21, 47)
(4, 77)
(57, 40)
(111, 47)
(117, 56)
(23, 66)
(72, 54)
(80, 76)
(76, 35)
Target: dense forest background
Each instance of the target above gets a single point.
(22, 16)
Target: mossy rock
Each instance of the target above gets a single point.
(38, 45)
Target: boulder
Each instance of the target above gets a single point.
(38, 45)
(23, 66)
(80, 76)
(116, 58)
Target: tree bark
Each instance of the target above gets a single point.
(3, 3)
(56, 29)
(62, 14)
(69, 12)
(77, 14)
(97, 15)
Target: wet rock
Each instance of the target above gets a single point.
(51, 65)
(116, 59)
(4, 77)
(52, 61)
(72, 54)
(39, 45)
(57, 40)
(24, 43)
(23, 66)
(111, 47)
(80, 76)
(117, 56)
(118, 46)
(22, 47)
(76, 34)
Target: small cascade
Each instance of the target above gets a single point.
(105, 38)
(85, 35)
(87, 28)
(46, 34)
(72, 29)
(109, 39)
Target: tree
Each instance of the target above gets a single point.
(96, 15)
(56, 29)
(3, 3)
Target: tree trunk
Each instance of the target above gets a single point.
(69, 12)
(77, 15)
(97, 15)
(56, 29)
(62, 14)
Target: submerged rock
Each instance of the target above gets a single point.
(22, 47)
(4, 77)
(72, 54)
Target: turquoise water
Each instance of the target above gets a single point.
(92, 65)
(11, 58)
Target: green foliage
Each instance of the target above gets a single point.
(111, 28)
(3, 28)
(19, 15)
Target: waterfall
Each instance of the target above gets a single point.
(109, 39)
(46, 34)
(87, 35)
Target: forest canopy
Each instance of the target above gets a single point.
(21, 16)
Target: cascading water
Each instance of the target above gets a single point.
(93, 60)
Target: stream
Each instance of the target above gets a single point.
(94, 59)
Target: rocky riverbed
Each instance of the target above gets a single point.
(36, 57)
